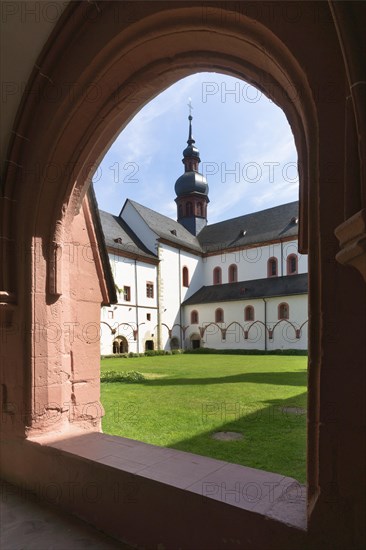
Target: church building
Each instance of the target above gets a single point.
(239, 283)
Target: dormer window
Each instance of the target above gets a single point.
(173, 232)
(118, 240)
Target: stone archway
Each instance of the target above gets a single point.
(120, 345)
(118, 61)
(149, 345)
(117, 73)
(74, 131)
(195, 341)
(174, 343)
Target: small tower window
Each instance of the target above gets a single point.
(199, 209)
(194, 317)
(189, 209)
(249, 313)
(233, 273)
(283, 311)
(219, 315)
(291, 264)
(217, 278)
(185, 276)
(272, 267)
(180, 211)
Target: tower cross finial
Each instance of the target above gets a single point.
(190, 107)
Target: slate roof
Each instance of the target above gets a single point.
(260, 227)
(247, 290)
(95, 214)
(115, 228)
(163, 226)
(266, 225)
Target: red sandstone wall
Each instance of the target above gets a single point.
(65, 362)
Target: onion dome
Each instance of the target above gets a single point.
(191, 181)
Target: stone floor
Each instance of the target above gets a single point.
(29, 524)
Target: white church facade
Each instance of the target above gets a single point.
(236, 284)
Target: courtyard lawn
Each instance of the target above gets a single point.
(186, 398)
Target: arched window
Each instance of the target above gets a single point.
(219, 315)
(283, 311)
(233, 273)
(194, 317)
(185, 276)
(249, 313)
(189, 209)
(180, 211)
(291, 264)
(217, 278)
(199, 209)
(272, 267)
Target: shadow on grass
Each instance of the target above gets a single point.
(298, 378)
(274, 438)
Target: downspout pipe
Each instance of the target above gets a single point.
(158, 290)
(265, 324)
(137, 309)
(180, 300)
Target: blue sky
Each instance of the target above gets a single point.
(246, 146)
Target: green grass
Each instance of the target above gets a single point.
(186, 398)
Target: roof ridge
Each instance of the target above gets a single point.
(164, 226)
(252, 213)
(294, 276)
(124, 231)
(285, 285)
(154, 211)
(130, 232)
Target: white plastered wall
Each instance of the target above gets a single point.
(284, 333)
(252, 262)
(126, 315)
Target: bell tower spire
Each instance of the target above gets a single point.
(190, 107)
(191, 188)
